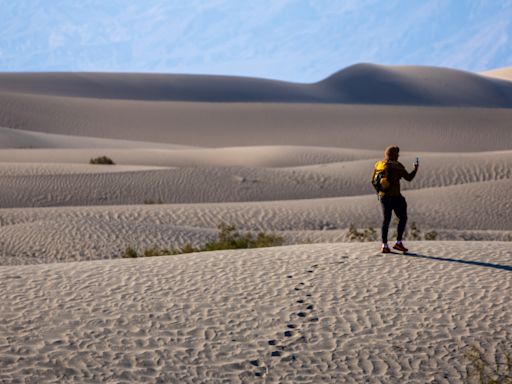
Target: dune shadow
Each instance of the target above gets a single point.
(461, 261)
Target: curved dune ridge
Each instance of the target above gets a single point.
(358, 84)
(57, 234)
(167, 196)
(56, 178)
(500, 73)
(308, 313)
(448, 129)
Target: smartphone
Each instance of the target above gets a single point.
(417, 162)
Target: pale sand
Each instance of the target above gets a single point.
(42, 235)
(295, 191)
(500, 73)
(352, 315)
(299, 170)
(62, 177)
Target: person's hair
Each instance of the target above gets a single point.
(391, 153)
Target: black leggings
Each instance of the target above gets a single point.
(390, 204)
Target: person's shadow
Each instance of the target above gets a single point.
(461, 261)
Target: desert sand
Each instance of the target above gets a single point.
(192, 152)
(500, 73)
(306, 313)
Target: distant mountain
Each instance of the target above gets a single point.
(358, 84)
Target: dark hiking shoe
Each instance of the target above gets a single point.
(400, 247)
(385, 249)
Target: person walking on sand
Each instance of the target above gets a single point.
(386, 180)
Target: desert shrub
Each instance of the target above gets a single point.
(187, 248)
(101, 160)
(369, 234)
(129, 252)
(354, 234)
(432, 235)
(151, 201)
(227, 238)
(413, 233)
(482, 370)
(155, 251)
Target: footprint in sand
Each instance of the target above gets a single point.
(289, 358)
(299, 286)
(255, 363)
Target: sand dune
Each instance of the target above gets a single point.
(179, 176)
(238, 124)
(500, 73)
(329, 312)
(17, 138)
(312, 313)
(358, 84)
(42, 235)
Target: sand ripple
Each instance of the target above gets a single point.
(315, 313)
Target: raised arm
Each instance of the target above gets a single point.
(409, 176)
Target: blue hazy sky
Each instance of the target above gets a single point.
(296, 40)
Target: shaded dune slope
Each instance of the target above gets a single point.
(243, 124)
(358, 84)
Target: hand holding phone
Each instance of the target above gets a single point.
(417, 162)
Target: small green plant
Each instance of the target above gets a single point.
(155, 251)
(230, 238)
(151, 201)
(129, 253)
(483, 371)
(432, 235)
(227, 238)
(102, 160)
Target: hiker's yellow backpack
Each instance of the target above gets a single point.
(380, 176)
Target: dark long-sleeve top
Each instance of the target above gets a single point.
(395, 172)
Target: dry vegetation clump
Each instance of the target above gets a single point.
(151, 201)
(482, 369)
(227, 238)
(102, 160)
(432, 235)
(129, 253)
(413, 233)
(369, 234)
